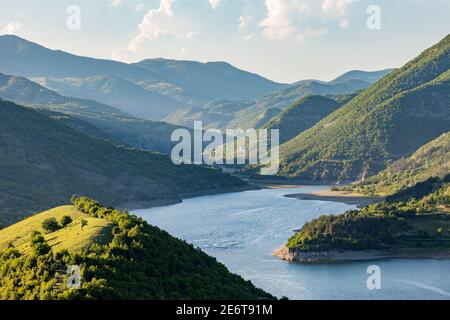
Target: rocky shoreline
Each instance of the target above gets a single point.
(290, 255)
(337, 196)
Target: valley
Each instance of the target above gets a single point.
(88, 177)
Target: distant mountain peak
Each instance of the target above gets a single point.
(368, 76)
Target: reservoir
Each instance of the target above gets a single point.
(243, 229)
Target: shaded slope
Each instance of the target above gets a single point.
(43, 163)
(301, 116)
(431, 160)
(119, 126)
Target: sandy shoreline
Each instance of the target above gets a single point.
(365, 255)
(138, 205)
(337, 196)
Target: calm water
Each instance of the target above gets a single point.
(242, 229)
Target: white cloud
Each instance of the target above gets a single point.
(12, 28)
(280, 21)
(174, 21)
(276, 25)
(174, 24)
(214, 3)
(341, 6)
(302, 18)
(115, 3)
(158, 22)
(244, 22)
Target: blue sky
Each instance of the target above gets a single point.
(284, 40)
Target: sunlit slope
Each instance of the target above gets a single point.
(72, 237)
(123, 258)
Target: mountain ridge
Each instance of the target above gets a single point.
(389, 120)
(162, 84)
(44, 162)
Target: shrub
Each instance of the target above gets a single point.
(50, 225)
(38, 244)
(84, 223)
(65, 221)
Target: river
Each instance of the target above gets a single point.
(242, 230)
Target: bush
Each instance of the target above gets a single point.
(39, 244)
(65, 221)
(50, 225)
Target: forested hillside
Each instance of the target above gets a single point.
(122, 257)
(431, 160)
(301, 116)
(44, 162)
(393, 118)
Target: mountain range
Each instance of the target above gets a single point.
(246, 114)
(390, 120)
(110, 123)
(43, 163)
(150, 89)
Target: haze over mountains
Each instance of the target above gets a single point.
(150, 89)
(112, 123)
(248, 114)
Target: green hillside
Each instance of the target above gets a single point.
(119, 255)
(301, 116)
(43, 162)
(119, 126)
(391, 119)
(431, 160)
(69, 238)
(402, 225)
(246, 114)
(282, 99)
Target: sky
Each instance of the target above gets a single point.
(283, 40)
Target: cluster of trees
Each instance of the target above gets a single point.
(432, 188)
(51, 224)
(350, 231)
(139, 262)
(378, 226)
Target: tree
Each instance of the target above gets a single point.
(65, 221)
(38, 243)
(84, 223)
(50, 225)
